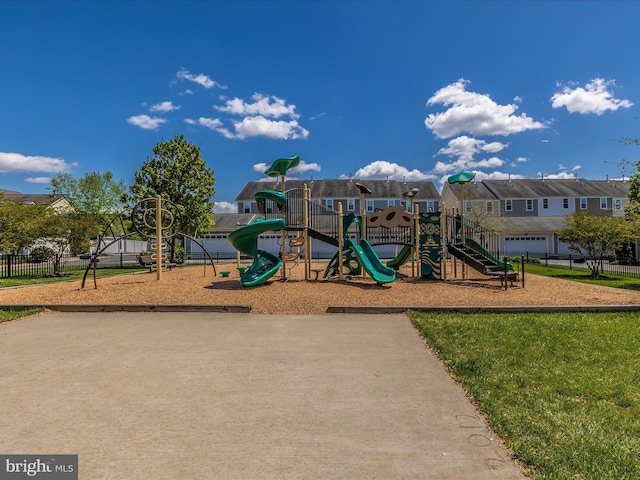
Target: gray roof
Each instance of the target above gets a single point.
(472, 191)
(529, 224)
(228, 222)
(345, 188)
(548, 188)
(30, 198)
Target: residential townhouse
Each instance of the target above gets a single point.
(330, 193)
(530, 212)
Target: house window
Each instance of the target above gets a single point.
(351, 205)
(467, 206)
(603, 203)
(489, 207)
(407, 207)
(545, 203)
(583, 203)
(529, 205)
(369, 206)
(430, 206)
(246, 207)
(391, 203)
(329, 203)
(618, 204)
(565, 203)
(508, 205)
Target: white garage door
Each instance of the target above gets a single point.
(521, 244)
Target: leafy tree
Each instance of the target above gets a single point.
(18, 224)
(63, 234)
(96, 195)
(178, 173)
(595, 236)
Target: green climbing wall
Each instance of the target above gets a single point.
(430, 245)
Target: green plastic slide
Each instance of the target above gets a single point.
(371, 262)
(245, 239)
(403, 257)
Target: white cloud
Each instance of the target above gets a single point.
(561, 175)
(164, 107)
(465, 147)
(596, 97)
(201, 79)
(38, 179)
(146, 122)
(214, 124)
(262, 127)
(266, 106)
(16, 162)
(522, 159)
(462, 164)
(382, 170)
(224, 207)
(474, 113)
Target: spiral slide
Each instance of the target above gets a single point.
(245, 239)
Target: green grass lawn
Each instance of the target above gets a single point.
(563, 389)
(582, 275)
(68, 275)
(6, 315)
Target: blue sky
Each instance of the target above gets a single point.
(415, 90)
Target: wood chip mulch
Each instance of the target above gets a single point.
(199, 286)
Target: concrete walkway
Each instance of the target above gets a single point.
(239, 396)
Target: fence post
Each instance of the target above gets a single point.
(9, 265)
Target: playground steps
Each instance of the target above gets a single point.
(474, 259)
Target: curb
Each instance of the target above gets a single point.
(136, 308)
(483, 309)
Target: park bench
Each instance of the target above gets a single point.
(149, 262)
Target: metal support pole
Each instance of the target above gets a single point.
(443, 244)
(307, 240)
(415, 248)
(284, 241)
(340, 241)
(158, 237)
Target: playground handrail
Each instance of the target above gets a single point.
(486, 238)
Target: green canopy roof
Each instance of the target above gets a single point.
(281, 165)
(462, 177)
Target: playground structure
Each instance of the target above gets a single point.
(420, 236)
(155, 219)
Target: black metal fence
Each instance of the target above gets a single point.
(37, 266)
(622, 266)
